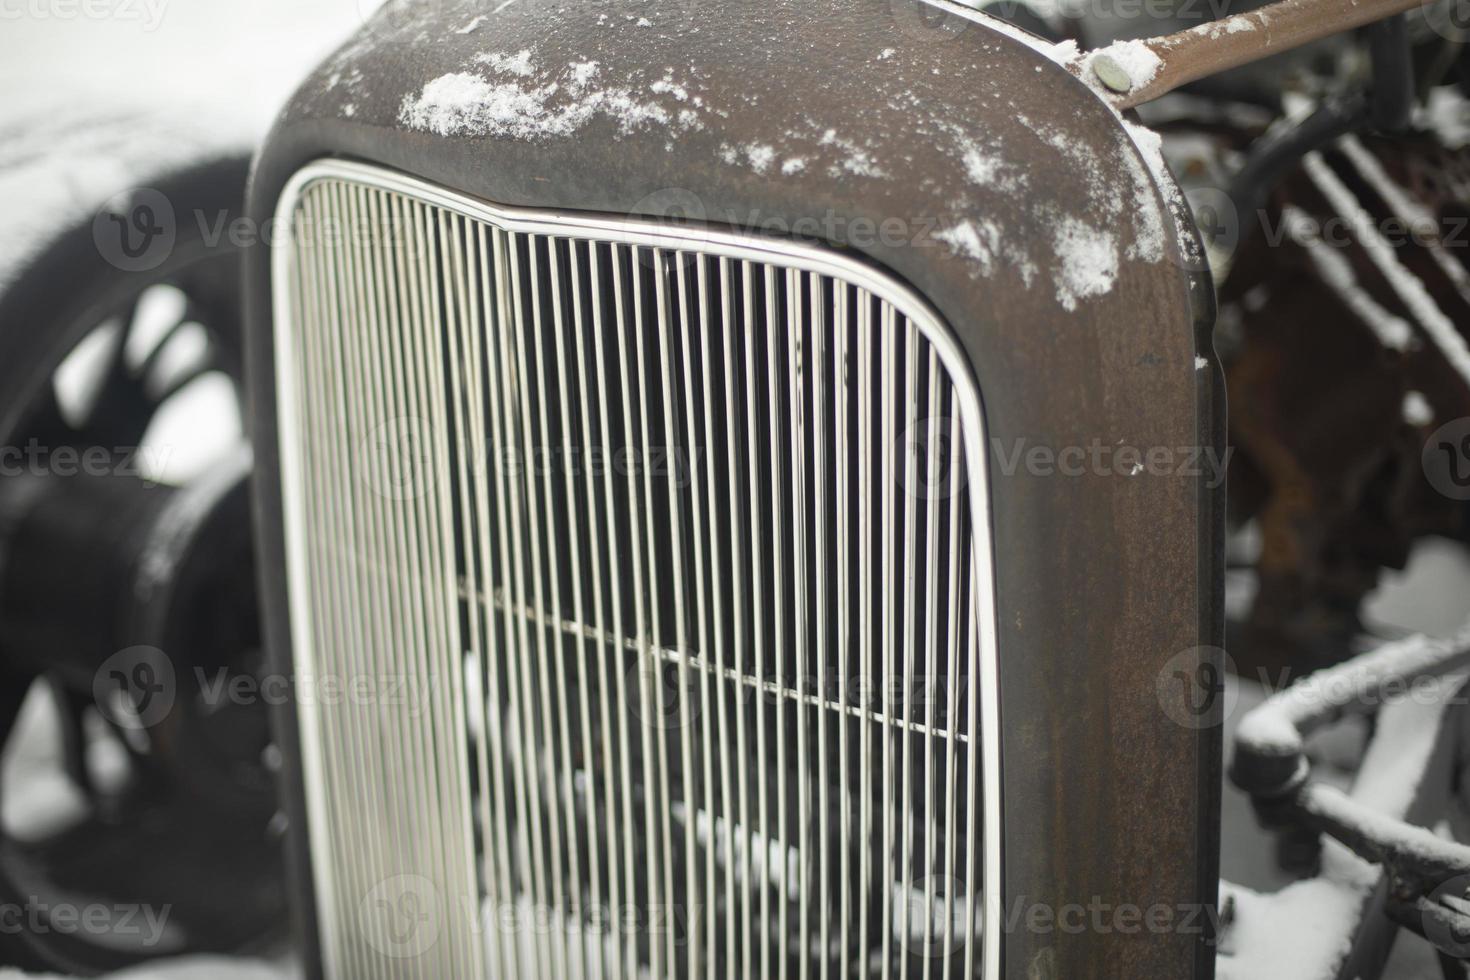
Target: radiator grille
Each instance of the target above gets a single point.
(650, 574)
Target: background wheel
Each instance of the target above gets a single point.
(127, 586)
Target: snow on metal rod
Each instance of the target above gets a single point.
(1138, 71)
(1277, 726)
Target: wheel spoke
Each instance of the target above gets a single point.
(70, 708)
(178, 384)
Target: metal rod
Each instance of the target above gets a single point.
(1230, 43)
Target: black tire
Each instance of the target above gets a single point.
(71, 286)
(47, 308)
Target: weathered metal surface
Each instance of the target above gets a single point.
(919, 114)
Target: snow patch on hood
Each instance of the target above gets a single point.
(1149, 243)
(1139, 149)
(516, 64)
(528, 103)
(978, 240)
(856, 161)
(985, 165)
(1088, 260)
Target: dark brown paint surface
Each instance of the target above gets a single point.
(1102, 578)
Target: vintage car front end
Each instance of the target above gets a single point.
(715, 453)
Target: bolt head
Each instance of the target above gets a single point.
(1111, 74)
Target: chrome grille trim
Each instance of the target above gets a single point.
(393, 795)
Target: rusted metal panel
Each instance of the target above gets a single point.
(955, 133)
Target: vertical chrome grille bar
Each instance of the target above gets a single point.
(502, 718)
(548, 611)
(758, 626)
(626, 960)
(720, 849)
(635, 536)
(486, 436)
(953, 652)
(697, 804)
(796, 341)
(972, 784)
(675, 530)
(903, 712)
(650, 666)
(600, 573)
(739, 959)
(562, 366)
(778, 592)
(821, 577)
(513, 367)
(461, 424)
(888, 339)
(842, 461)
(767, 612)
(862, 373)
(931, 611)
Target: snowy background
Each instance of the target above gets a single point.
(72, 80)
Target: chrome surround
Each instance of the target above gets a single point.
(633, 231)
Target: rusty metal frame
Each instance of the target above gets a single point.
(1414, 864)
